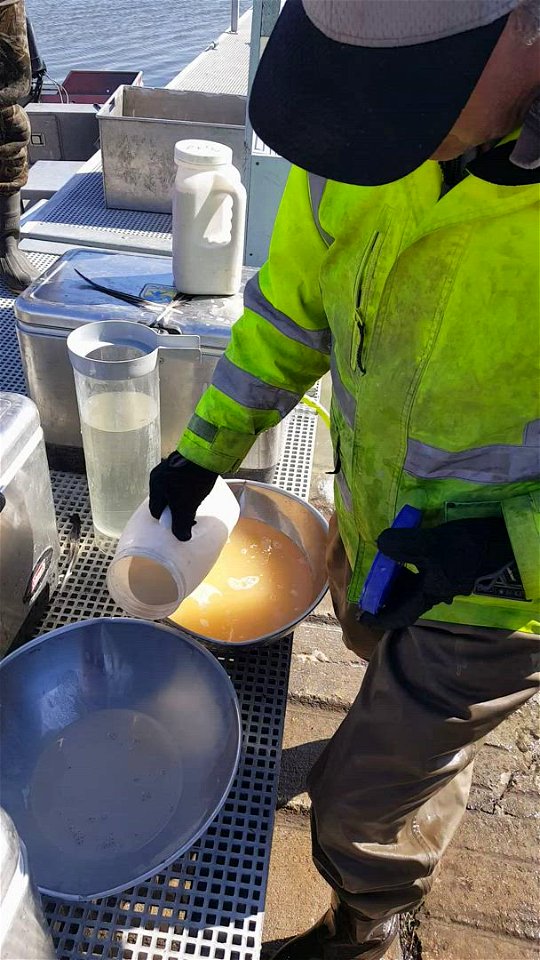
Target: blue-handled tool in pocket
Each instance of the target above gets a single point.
(383, 570)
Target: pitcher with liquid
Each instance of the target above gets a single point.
(117, 384)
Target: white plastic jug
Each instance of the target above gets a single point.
(152, 572)
(209, 211)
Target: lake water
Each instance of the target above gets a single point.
(156, 36)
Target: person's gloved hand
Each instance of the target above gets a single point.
(182, 486)
(449, 558)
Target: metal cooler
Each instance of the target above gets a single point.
(29, 547)
(86, 285)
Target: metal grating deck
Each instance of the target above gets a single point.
(211, 902)
(11, 374)
(77, 214)
(293, 473)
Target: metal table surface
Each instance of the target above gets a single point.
(211, 902)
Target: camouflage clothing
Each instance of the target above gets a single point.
(15, 81)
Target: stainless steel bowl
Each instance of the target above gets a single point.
(120, 740)
(298, 520)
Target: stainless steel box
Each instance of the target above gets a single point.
(29, 547)
(138, 129)
(62, 131)
(61, 300)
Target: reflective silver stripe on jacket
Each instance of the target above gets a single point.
(498, 463)
(254, 299)
(316, 190)
(344, 490)
(250, 391)
(345, 399)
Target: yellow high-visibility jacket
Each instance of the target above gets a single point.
(426, 310)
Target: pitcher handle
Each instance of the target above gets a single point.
(186, 346)
(236, 193)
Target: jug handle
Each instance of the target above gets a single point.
(237, 222)
(165, 519)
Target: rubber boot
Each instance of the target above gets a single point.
(16, 270)
(340, 935)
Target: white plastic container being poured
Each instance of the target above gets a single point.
(209, 212)
(152, 571)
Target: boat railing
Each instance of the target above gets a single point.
(235, 12)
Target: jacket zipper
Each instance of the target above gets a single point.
(358, 354)
(337, 460)
(359, 358)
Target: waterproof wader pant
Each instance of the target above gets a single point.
(391, 787)
(15, 82)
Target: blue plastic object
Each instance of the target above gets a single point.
(383, 570)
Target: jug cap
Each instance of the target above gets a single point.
(203, 153)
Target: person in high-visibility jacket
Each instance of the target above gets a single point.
(415, 282)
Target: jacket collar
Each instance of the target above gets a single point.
(495, 166)
(475, 196)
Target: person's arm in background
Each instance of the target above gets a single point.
(279, 348)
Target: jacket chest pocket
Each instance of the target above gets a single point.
(362, 291)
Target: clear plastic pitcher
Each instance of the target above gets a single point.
(117, 384)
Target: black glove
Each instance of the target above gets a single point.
(182, 486)
(449, 558)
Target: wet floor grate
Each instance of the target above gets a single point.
(211, 902)
(11, 374)
(81, 202)
(78, 213)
